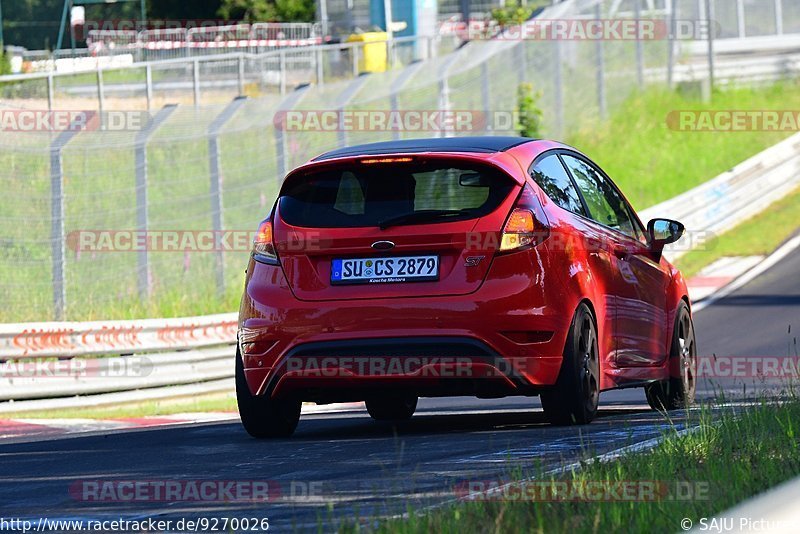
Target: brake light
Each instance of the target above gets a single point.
(371, 161)
(526, 225)
(263, 246)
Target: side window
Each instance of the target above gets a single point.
(605, 205)
(551, 176)
(641, 233)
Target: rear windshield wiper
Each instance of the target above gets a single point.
(420, 216)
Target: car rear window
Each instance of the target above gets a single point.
(369, 195)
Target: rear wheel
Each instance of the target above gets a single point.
(575, 397)
(262, 416)
(392, 408)
(677, 391)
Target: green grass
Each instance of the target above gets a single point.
(730, 458)
(217, 402)
(651, 163)
(759, 235)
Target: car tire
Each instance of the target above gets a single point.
(575, 397)
(392, 408)
(262, 416)
(678, 390)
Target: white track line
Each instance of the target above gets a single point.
(769, 262)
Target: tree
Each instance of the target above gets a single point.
(249, 10)
(268, 10)
(296, 10)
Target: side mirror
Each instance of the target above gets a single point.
(663, 232)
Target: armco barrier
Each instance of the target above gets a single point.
(71, 339)
(81, 376)
(734, 196)
(715, 206)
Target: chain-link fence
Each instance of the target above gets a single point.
(110, 83)
(155, 219)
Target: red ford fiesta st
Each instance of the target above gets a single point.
(483, 266)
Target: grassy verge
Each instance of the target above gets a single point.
(729, 459)
(759, 235)
(651, 162)
(217, 402)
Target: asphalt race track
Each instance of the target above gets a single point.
(353, 466)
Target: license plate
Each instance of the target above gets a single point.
(385, 270)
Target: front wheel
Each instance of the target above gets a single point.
(262, 416)
(574, 398)
(679, 389)
(392, 408)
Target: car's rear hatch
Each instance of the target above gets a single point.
(440, 216)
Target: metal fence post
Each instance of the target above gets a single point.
(100, 93)
(521, 67)
(639, 45)
(148, 86)
(559, 90)
(672, 6)
(779, 17)
(215, 188)
(240, 74)
(320, 70)
(486, 96)
(406, 74)
(709, 17)
(50, 91)
(356, 59)
(57, 228)
(444, 99)
(740, 22)
(444, 84)
(140, 163)
(282, 67)
(601, 75)
(344, 98)
(196, 81)
(391, 53)
(281, 144)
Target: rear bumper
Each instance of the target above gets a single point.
(506, 338)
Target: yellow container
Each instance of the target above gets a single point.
(372, 55)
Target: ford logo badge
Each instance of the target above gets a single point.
(382, 245)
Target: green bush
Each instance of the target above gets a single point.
(529, 119)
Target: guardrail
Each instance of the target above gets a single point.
(72, 339)
(734, 196)
(714, 206)
(738, 70)
(81, 376)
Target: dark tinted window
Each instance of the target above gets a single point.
(550, 175)
(605, 205)
(367, 195)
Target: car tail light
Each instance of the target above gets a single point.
(370, 161)
(526, 226)
(263, 246)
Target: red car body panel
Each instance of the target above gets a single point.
(516, 305)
